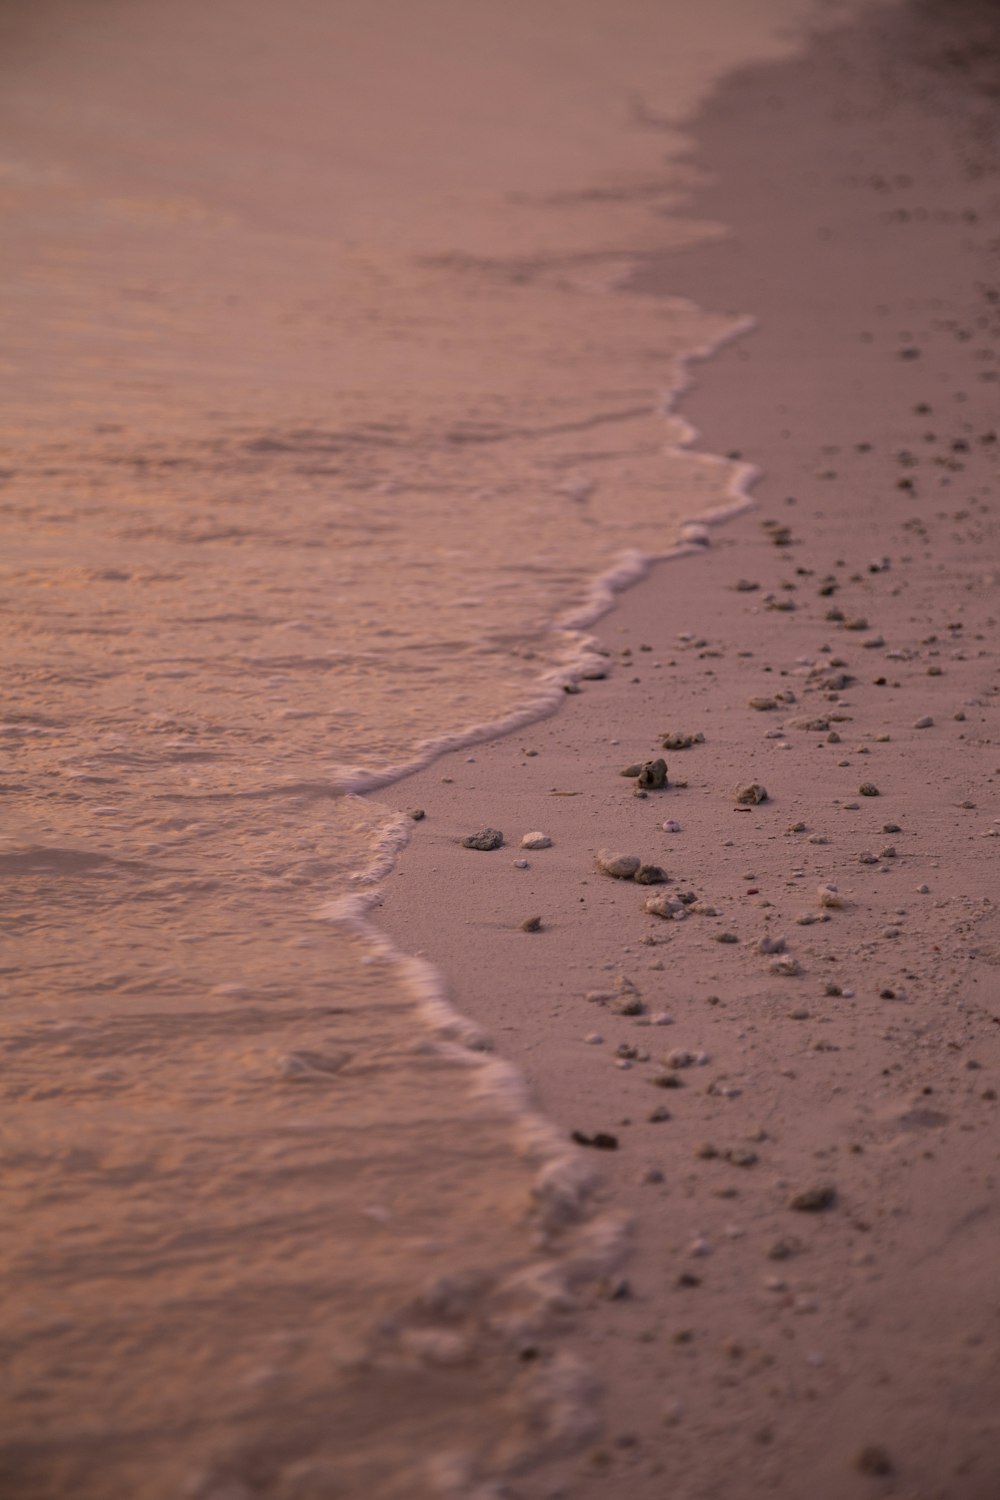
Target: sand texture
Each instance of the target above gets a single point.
(794, 1071)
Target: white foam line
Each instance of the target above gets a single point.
(582, 651)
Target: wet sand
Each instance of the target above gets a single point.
(800, 1111)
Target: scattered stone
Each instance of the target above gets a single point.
(680, 741)
(748, 794)
(486, 838)
(417, 813)
(891, 828)
(658, 1115)
(536, 840)
(650, 875)
(531, 924)
(796, 828)
(681, 1058)
(868, 789)
(666, 1081)
(726, 937)
(601, 1140)
(813, 1200)
(768, 944)
(521, 864)
(653, 775)
(784, 1248)
(867, 858)
(889, 852)
(873, 1460)
(666, 907)
(816, 726)
(740, 1156)
(594, 1039)
(618, 866)
(829, 896)
(762, 705)
(786, 965)
(671, 826)
(923, 890)
(632, 770)
(818, 838)
(745, 586)
(923, 723)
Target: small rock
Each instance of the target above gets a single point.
(632, 769)
(601, 1140)
(531, 924)
(923, 890)
(674, 741)
(889, 852)
(658, 1115)
(868, 789)
(748, 794)
(486, 838)
(417, 813)
(671, 826)
(786, 965)
(813, 1200)
(867, 858)
(618, 866)
(650, 875)
(536, 840)
(923, 723)
(873, 1460)
(594, 1039)
(829, 896)
(726, 937)
(653, 775)
(521, 864)
(768, 944)
(891, 828)
(664, 906)
(762, 705)
(796, 828)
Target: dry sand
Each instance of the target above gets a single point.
(760, 1343)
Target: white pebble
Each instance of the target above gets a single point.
(671, 826)
(536, 840)
(521, 864)
(594, 1038)
(923, 890)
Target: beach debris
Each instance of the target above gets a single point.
(829, 896)
(486, 839)
(650, 875)
(873, 1460)
(665, 906)
(748, 794)
(619, 866)
(768, 944)
(601, 1140)
(868, 789)
(536, 840)
(531, 924)
(675, 741)
(813, 1200)
(653, 775)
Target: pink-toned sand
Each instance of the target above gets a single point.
(755, 1348)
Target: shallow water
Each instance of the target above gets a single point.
(331, 423)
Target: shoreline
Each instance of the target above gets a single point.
(706, 1380)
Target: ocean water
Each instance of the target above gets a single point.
(331, 426)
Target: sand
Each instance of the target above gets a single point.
(811, 1301)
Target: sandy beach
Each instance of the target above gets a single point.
(811, 1302)
(609, 1107)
